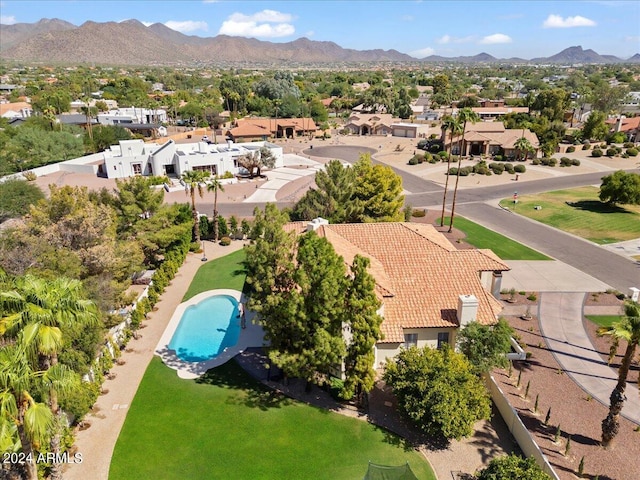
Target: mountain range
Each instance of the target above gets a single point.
(132, 43)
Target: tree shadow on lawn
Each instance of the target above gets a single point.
(597, 206)
(248, 392)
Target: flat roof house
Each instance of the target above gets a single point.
(428, 288)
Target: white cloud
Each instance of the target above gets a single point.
(186, 26)
(632, 38)
(265, 24)
(310, 34)
(449, 39)
(556, 21)
(424, 52)
(146, 24)
(7, 19)
(496, 38)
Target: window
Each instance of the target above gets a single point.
(137, 168)
(410, 340)
(443, 337)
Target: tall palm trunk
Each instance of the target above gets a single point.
(446, 183)
(215, 215)
(194, 213)
(30, 467)
(56, 467)
(455, 189)
(611, 424)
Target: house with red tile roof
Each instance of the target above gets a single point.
(370, 124)
(490, 138)
(250, 129)
(428, 288)
(629, 126)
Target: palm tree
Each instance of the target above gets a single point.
(464, 115)
(193, 180)
(627, 329)
(455, 127)
(37, 310)
(213, 186)
(522, 145)
(33, 420)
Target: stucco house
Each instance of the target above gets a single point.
(250, 129)
(490, 138)
(15, 110)
(135, 157)
(428, 288)
(370, 124)
(629, 126)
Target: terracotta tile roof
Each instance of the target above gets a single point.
(305, 124)
(419, 273)
(248, 130)
(15, 106)
(628, 124)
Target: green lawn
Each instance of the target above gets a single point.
(223, 272)
(231, 426)
(604, 320)
(503, 247)
(580, 212)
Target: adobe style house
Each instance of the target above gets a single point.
(370, 124)
(427, 287)
(490, 138)
(134, 157)
(252, 129)
(15, 110)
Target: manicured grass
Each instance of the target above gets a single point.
(580, 212)
(223, 272)
(228, 425)
(503, 247)
(604, 320)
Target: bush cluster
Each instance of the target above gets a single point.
(571, 149)
(549, 162)
(225, 241)
(632, 152)
(586, 146)
(596, 152)
(520, 168)
(418, 212)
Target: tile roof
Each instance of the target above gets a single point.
(419, 273)
(306, 124)
(628, 124)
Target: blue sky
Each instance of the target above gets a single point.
(503, 29)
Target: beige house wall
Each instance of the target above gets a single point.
(427, 337)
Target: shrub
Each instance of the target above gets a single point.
(413, 160)
(628, 145)
(195, 247)
(520, 169)
(575, 162)
(632, 152)
(553, 162)
(497, 168)
(596, 152)
(571, 149)
(29, 176)
(443, 155)
(225, 241)
(418, 213)
(428, 157)
(453, 171)
(625, 155)
(509, 167)
(464, 171)
(498, 158)
(611, 152)
(565, 162)
(586, 146)
(535, 161)
(532, 297)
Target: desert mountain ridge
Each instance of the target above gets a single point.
(130, 42)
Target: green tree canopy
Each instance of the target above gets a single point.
(621, 187)
(594, 127)
(486, 346)
(511, 467)
(16, 196)
(438, 391)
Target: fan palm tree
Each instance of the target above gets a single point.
(193, 180)
(36, 311)
(464, 115)
(522, 145)
(213, 186)
(627, 329)
(452, 125)
(33, 420)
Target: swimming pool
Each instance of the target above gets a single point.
(206, 329)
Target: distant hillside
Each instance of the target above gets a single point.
(132, 43)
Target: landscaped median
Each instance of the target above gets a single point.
(580, 212)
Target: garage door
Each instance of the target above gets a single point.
(400, 132)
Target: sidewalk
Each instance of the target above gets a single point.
(108, 414)
(560, 318)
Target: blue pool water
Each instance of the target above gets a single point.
(206, 329)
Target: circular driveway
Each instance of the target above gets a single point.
(348, 153)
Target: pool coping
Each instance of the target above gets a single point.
(251, 336)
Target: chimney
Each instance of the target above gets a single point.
(314, 224)
(467, 309)
(229, 143)
(619, 123)
(635, 294)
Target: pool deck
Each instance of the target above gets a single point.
(251, 336)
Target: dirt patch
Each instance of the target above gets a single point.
(602, 299)
(571, 408)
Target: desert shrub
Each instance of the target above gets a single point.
(575, 162)
(617, 137)
(596, 152)
(532, 297)
(611, 152)
(586, 146)
(553, 162)
(443, 155)
(453, 171)
(520, 169)
(427, 157)
(464, 171)
(481, 168)
(628, 145)
(497, 168)
(225, 241)
(508, 167)
(632, 152)
(29, 176)
(571, 149)
(413, 160)
(498, 158)
(535, 161)
(418, 212)
(625, 155)
(565, 162)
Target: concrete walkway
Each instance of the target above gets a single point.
(108, 414)
(560, 317)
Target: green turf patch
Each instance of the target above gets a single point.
(604, 320)
(230, 426)
(580, 212)
(223, 272)
(503, 247)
